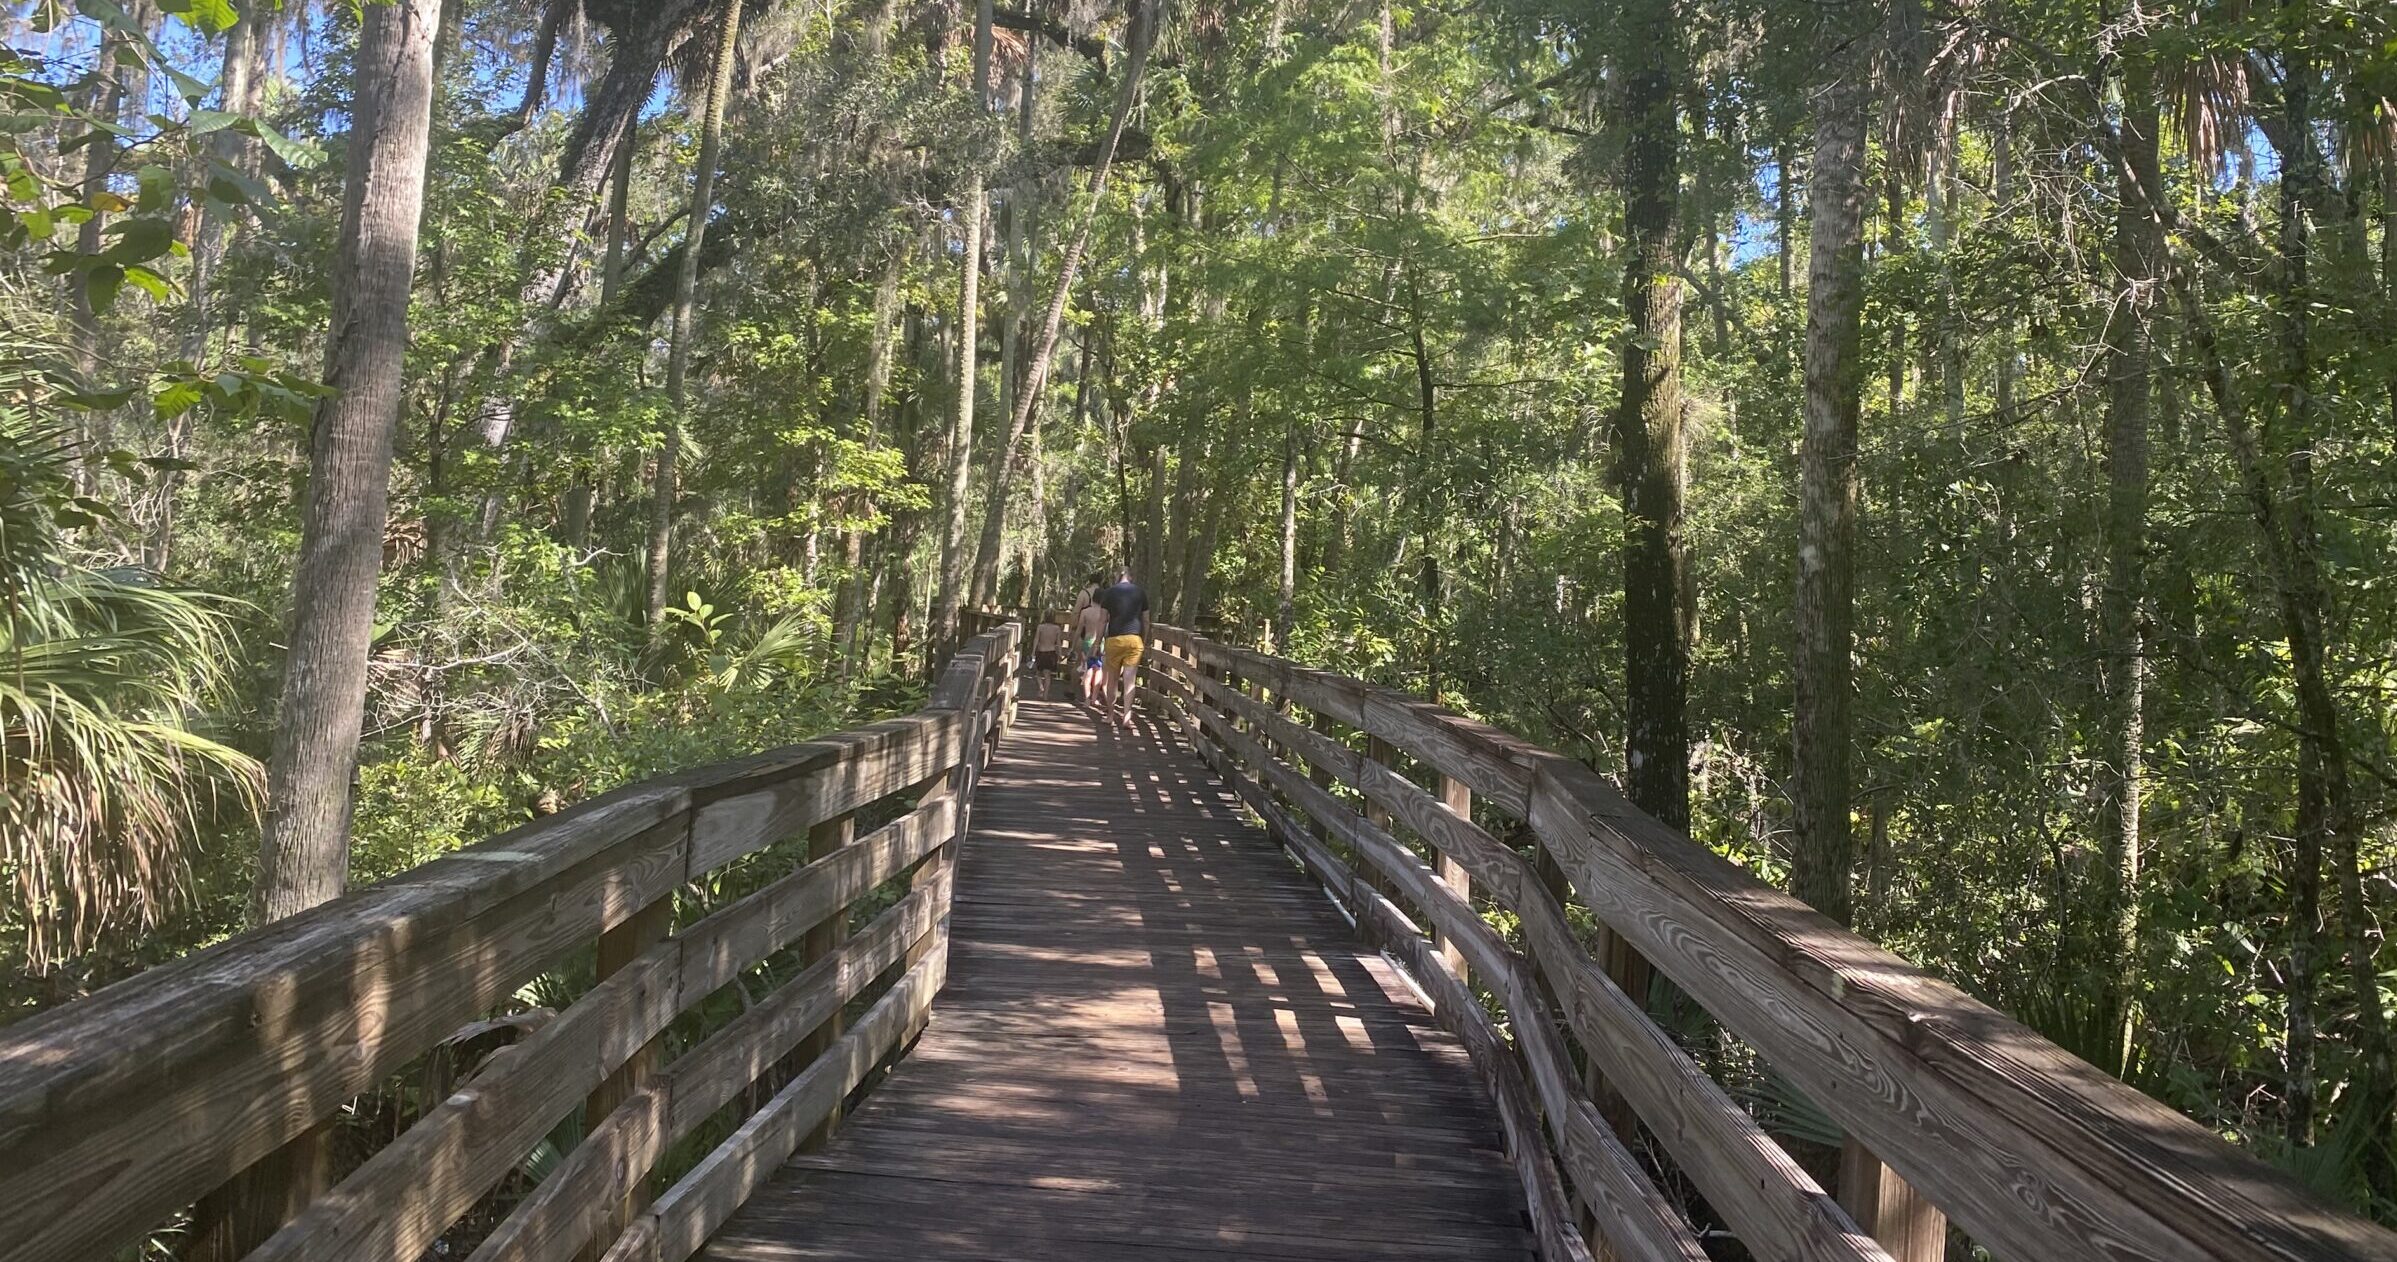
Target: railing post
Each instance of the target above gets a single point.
(252, 1205)
(1322, 776)
(1458, 797)
(1610, 1106)
(1888, 1208)
(1384, 753)
(823, 841)
(619, 947)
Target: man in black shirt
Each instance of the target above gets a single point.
(1127, 609)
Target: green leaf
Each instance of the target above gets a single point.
(209, 16)
(140, 240)
(202, 122)
(97, 400)
(188, 88)
(234, 188)
(38, 224)
(157, 188)
(177, 398)
(100, 286)
(148, 282)
(294, 153)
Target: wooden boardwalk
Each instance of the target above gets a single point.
(1159, 1043)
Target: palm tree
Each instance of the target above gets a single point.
(104, 782)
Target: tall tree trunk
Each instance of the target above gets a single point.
(1152, 543)
(2001, 189)
(304, 848)
(1648, 430)
(1434, 506)
(118, 62)
(1785, 215)
(639, 47)
(1945, 209)
(1285, 608)
(1036, 371)
(583, 495)
(851, 608)
(686, 286)
(1893, 239)
(2138, 258)
(237, 94)
(2328, 824)
(951, 593)
(620, 187)
(1822, 763)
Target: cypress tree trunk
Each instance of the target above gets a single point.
(1827, 496)
(851, 608)
(1785, 215)
(2138, 256)
(2001, 189)
(2327, 820)
(1035, 377)
(237, 94)
(951, 593)
(1286, 590)
(686, 285)
(1648, 430)
(304, 848)
(118, 67)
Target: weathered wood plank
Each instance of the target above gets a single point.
(1650, 1231)
(2036, 1153)
(1639, 1222)
(822, 942)
(569, 1208)
(1493, 762)
(407, 1194)
(220, 1058)
(698, 1204)
(744, 806)
(716, 949)
(1747, 1176)
(619, 947)
(710, 1075)
(1901, 1218)
(1457, 796)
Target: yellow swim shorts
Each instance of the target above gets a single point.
(1124, 650)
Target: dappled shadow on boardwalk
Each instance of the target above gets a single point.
(1159, 1043)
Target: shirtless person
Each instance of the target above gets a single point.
(1090, 630)
(1048, 652)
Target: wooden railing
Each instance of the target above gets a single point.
(120, 1111)
(2035, 1154)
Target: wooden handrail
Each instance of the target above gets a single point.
(119, 1110)
(2033, 1152)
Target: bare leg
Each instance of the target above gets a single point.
(1123, 695)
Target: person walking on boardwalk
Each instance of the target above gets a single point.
(1090, 635)
(1048, 651)
(1127, 609)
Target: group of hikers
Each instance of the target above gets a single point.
(1105, 635)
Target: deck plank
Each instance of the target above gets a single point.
(1158, 1043)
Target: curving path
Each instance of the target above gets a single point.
(1159, 1043)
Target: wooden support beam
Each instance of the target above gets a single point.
(1457, 796)
(1888, 1209)
(618, 948)
(821, 943)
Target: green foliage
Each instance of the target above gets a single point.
(104, 780)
